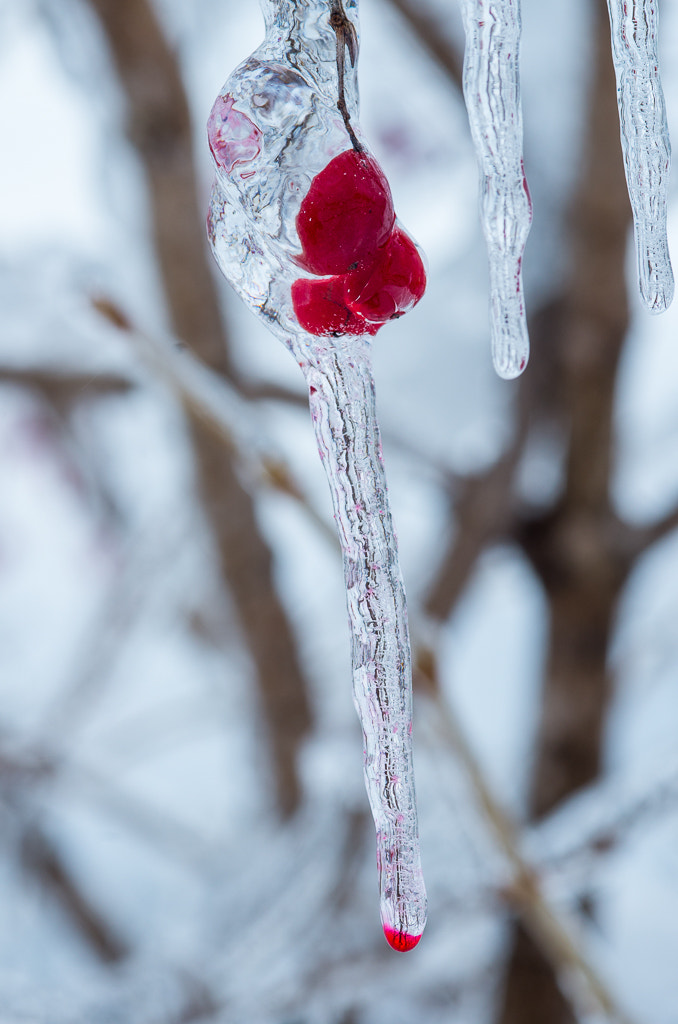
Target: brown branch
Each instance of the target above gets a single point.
(427, 29)
(548, 934)
(486, 508)
(160, 128)
(63, 390)
(604, 838)
(483, 514)
(200, 1003)
(263, 391)
(219, 406)
(645, 537)
(42, 858)
(579, 549)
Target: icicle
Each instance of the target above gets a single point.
(302, 225)
(645, 142)
(492, 94)
(344, 416)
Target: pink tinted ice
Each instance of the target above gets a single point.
(233, 138)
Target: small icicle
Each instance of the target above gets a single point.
(492, 94)
(645, 142)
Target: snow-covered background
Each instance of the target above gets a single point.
(132, 747)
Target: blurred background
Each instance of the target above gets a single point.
(185, 834)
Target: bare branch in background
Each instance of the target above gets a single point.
(646, 537)
(64, 390)
(577, 548)
(48, 866)
(547, 933)
(581, 551)
(427, 29)
(212, 399)
(159, 126)
(483, 515)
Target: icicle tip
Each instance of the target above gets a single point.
(510, 366)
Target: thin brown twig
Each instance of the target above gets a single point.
(525, 893)
(662, 798)
(646, 536)
(347, 39)
(484, 513)
(62, 388)
(220, 407)
(42, 858)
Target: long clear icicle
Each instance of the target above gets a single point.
(344, 416)
(492, 94)
(288, 150)
(645, 142)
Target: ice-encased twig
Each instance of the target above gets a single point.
(342, 403)
(280, 121)
(645, 142)
(492, 94)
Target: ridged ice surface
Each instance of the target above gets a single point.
(492, 94)
(274, 127)
(343, 411)
(645, 142)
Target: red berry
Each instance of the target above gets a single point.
(233, 138)
(320, 308)
(346, 216)
(391, 285)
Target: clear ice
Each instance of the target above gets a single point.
(283, 127)
(492, 93)
(645, 142)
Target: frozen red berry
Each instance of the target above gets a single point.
(391, 285)
(346, 216)
(400, 941)
(320, 308)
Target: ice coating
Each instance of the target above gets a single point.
(301, 222)
(342, 406)
(492, 95)
(645, 142)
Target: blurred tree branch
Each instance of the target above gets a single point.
(160, 128)
(427, 30)
(63, 390)
(42, 858)
(580, 549)
(211, 398)
(555, 951)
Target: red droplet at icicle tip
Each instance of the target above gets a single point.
(400, 941)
